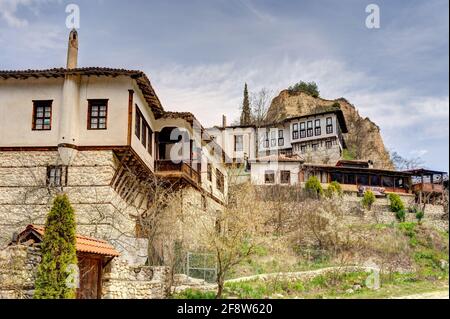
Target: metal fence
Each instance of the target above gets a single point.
(201, 266)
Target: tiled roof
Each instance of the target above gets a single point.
(141, 79)
(84, 244)
(281, 158)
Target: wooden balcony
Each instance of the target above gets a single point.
(428, 188)
(169, 169)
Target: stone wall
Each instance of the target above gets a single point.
(381, 214)
(19, 263)
(122, 281)
(18, 267)
(99, 211)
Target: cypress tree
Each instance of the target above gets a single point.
(246, 113)
(58, 252)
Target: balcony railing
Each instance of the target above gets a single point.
(428, 188)
(183, 168)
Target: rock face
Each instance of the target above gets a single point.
(364, 139)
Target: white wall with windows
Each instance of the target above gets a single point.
(275, 173)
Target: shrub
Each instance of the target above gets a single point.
(400, 215)
(58, 253)
(305, 87)
(313, 187)
(334, 188)
(396, 203)
(419, 215)
(368, 199)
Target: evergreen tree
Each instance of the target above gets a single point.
(246, 113)
(58, 252)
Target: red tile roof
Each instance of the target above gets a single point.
(141, 79)
(83, 244)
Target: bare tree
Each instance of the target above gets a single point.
(260, 103)
(233, 236)
(401, 163)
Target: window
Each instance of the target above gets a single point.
(273, 139)
(204, 203)
(302, 130)
(97, 114)
(310, 129)
(269, 177)
(55, 176)
(150, 140)
(137, 124)
(42, 115)
(328, 144)
(315, 146)
(375, 180)
(303, 149)
(220, 181)
(295, 131)
(143, 131)
(285, 177)
(266, 141)
(209, 172)
(387, 181)
(238, 143)
(329, 125)
(280, 138)
(317, 129)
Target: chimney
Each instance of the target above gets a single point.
(224, 121)
(72, 50)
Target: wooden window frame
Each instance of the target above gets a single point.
(49, 103)
(302, 130)
(91, 103)
(329, 125)
(137, 124)
(309, 129)
(236, 143)
(317, 128)
(295, 131)
(62, 181)
(150, 140)
(209, 172)
(220, 181)
(268, 174)
(283, 175)
(328, 144)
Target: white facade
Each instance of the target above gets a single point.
(261, 171)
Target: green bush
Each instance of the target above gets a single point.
(400, 215)
(309, 88)
(419, 215)
(396, 203)
(334, 188)
(368, 199)
(58, 253)
(313, 187)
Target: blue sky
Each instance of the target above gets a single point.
(199, 53)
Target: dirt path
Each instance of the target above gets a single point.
(428, 295)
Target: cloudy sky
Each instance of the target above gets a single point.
(199, 53)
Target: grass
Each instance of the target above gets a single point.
(428, 249)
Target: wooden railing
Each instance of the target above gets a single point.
(428, 187)
(183, 167)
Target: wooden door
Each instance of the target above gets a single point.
(90, 277)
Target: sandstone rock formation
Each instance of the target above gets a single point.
(364, 139)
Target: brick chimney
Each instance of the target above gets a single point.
(72, 50)
(224, 121)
